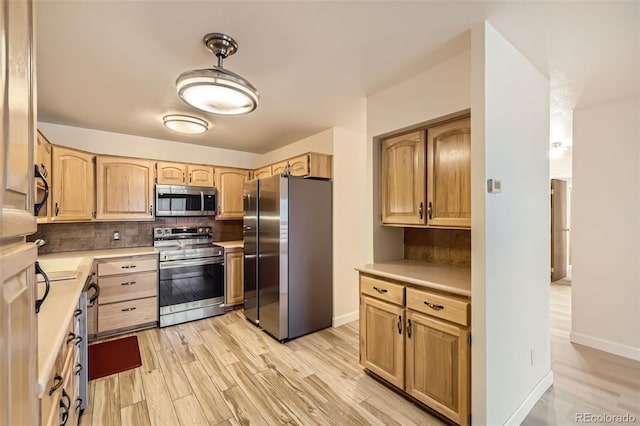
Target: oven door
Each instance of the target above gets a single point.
(191, 284)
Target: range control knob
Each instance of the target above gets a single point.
(200, 230)
(207, 230)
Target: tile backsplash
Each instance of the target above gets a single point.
(447, 246)
(99, 235)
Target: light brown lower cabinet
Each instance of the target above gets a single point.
(128, 297)
(418, 341)
(234, 277)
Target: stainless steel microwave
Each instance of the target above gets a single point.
(181, 200)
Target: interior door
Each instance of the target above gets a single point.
(559, 229)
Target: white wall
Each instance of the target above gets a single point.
(561, 168)
(510, 231)
(321, 142)
(436, 92)
(606, 227)
(110, 143)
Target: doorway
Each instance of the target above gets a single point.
(560, 231)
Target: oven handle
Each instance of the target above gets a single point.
(172, 264)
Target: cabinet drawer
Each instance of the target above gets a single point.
(127, 287)
(127, 314)
(381, 289)
(447, 307)
(127, 266)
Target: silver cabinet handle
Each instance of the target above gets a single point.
(434, 307)
(429, 210)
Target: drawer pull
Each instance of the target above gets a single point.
(128, 283)
(71, 337)
(77, 313)
(78, 340)
(78, 403)
(380, 290)
(399, 324)
(435, 307)
(79, 368)
(128, 309)
(57, 382)
(65, 413)
(128, 266)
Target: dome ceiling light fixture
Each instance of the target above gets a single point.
(218, 90)
(185, 124)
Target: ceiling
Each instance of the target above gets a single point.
(112, 65)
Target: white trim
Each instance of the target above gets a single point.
(605, 345)
(525, 407)
(345, 319)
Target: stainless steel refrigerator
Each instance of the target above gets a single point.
(288, 275)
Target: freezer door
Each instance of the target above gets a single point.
(272, 277)
(250, 235)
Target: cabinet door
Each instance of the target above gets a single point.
(263, 172)
(200, 175)
(73, 185)
(230, 184)
(279, 168)
(234, 278)
(18, 328)
(124, 188)
(43, 160)
(171, 173)
(449, 159)
(438, 366)
(382, 339)
(403, 179)
(299, 166)
(17, 119)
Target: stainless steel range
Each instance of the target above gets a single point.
(191, 275)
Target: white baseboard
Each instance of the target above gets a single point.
(345, 319)
(525, 407)
(605, 345)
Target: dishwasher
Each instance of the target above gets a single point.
(86, 315)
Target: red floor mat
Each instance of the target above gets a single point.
(113, 357)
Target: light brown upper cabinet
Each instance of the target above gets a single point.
(449, 174)
(184, 174)
(230, 185)
(171, 173)
(73, 185)
(43, 161)
(279, 168)
(310, 165)
(124, 188)
(263, 172)
(403, 179)
(199, 175)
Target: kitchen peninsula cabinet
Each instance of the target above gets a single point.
(449, 174)
(230, 185)
(72, 181)
(417, 339)
(403, 186)
(124, 188)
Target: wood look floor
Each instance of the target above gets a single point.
(225, 371)
(585, 380)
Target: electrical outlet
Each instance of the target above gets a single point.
(116, 235)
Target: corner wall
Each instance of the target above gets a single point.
(606, 227)
(510, 238)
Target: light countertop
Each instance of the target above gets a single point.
(452, 279)
(57, 310)
(230, 245)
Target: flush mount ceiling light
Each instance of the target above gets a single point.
(216, 89)
(185, 124)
